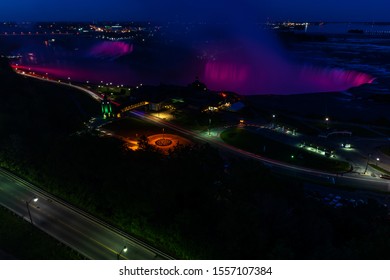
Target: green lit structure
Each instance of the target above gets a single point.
(107, 108)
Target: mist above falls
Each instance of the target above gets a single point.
(221, 42)
(234, 52)
(250, 61)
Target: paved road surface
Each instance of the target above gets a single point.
(352, 180)
(86, 234)
(98, 241)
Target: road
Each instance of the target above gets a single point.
(97, 240)
(349, 179)
(92, 238)
(94, 95)
(86, 234)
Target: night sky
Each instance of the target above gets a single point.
(126, 10)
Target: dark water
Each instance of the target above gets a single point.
(246, 64)
(344, 27)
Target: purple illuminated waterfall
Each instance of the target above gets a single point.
(228, 51)
(229, 57)
(252, 68)
(110, 50)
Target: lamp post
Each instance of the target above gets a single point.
(377, 160)
(273, 120)
(124, 250)
(209, 126)
(368, 159)
(35, 199)
(327, 122)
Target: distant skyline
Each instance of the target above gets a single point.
(127, 10)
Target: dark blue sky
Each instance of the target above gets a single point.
(87, 10)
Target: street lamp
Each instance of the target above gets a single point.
(273, 120)
(209, 126)
(34, 199)
(377, 160)
(368, 160)
(327, 122)
(124, 250)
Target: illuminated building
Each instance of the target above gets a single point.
(107, 108)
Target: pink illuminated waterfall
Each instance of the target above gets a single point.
(110, 50)
(256, 70)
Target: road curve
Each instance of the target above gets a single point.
(81, 231)
(97, 240)
(351, 180)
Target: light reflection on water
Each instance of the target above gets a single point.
(247, 71)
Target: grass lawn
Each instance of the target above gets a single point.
(386, 150)
(258, 144)
(129, 127)
(314, 127)
(21, 240)
(356, 130)
(384, 171)
(300, 126)
(384, 131)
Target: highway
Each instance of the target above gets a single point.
(349, 179)
(94, 95)
(91, 237)
(84, 233)
(97, 240)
